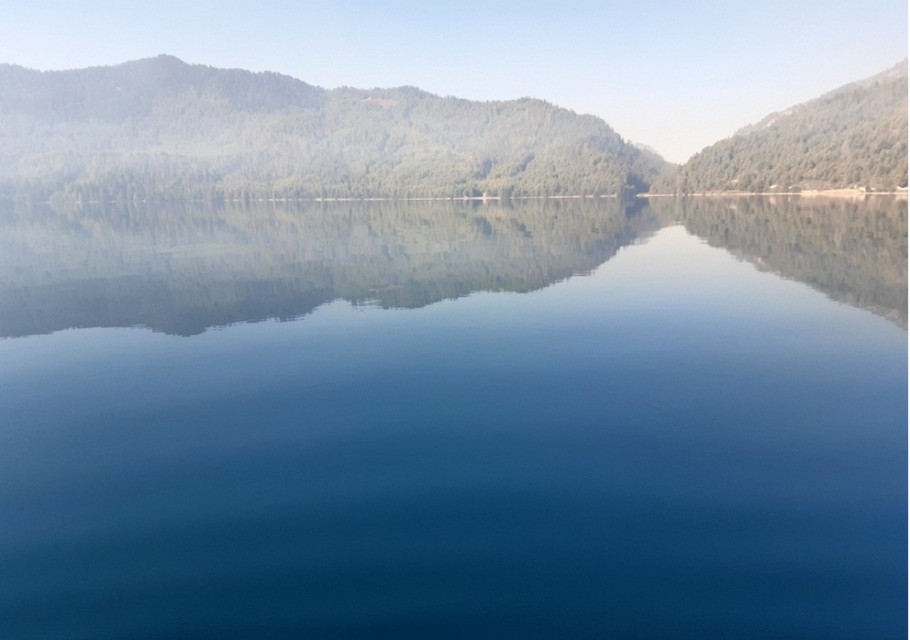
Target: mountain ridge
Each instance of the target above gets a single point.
(854, 136)
(161, 128)
(176, 129)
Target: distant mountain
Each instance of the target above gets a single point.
(161, 128)
(855, 136)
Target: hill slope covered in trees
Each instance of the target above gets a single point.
(854, 136)
(161, 128)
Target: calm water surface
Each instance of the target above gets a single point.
(550, 420)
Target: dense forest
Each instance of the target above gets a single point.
(855, 136)
(162, 129)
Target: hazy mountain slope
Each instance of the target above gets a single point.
(162, 128)
(853, 136)
(132, 90)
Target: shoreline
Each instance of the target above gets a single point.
(806, 193)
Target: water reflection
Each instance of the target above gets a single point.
(854, 251)
(675, 428)
(183, 269)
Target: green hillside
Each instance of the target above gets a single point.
(161, 128)
(855, 136)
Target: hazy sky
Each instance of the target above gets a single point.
(674, 75)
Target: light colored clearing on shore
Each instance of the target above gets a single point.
(806, 193)
(851, 193)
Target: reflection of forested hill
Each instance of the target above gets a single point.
(182, 269)
(854, 251)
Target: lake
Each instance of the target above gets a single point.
(538, 419)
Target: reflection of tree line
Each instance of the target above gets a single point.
(854, 251)
(183, 268)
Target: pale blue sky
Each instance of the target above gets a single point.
(674, 75)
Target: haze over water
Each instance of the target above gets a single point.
(550, 419)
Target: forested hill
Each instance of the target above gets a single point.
(855, 136)
(161, 128)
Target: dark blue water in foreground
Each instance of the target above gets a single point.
(677, 445)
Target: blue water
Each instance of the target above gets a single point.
(673, 445)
